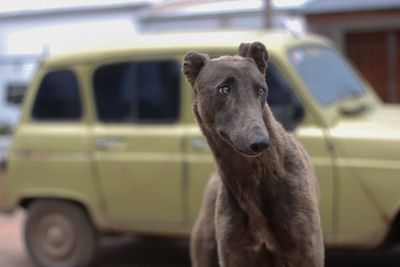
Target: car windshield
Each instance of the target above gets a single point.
(327, 75)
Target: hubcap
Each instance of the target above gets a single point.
(55, 237)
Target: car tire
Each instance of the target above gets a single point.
(59, 234)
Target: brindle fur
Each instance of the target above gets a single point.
(259, 209)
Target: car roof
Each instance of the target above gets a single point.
(181, 42)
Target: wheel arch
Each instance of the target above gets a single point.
(95, 217)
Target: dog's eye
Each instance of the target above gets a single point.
(261, 91)
(225, 90)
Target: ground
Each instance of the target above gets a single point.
(134, 252)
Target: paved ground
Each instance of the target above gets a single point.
(131, 252)
(11, 249)
(114, 252)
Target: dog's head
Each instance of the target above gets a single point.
(230, 94)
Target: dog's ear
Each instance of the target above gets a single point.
(192, 64)
(257, 52)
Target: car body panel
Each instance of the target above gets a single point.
(368, 150)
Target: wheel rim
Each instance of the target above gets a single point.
(54, 237)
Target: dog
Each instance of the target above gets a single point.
(261, 206)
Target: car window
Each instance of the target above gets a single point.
(326, 73)
(282, 100)
(58, 97)
(143, 92)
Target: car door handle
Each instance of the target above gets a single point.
(109, 143)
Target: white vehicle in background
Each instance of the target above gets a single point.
(15, 75)
(5, 142)
(10, 99)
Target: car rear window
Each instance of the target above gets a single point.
(58, 98)
(141, 92)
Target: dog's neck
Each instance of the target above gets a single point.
(241, 174)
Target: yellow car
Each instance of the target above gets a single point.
(107, 143)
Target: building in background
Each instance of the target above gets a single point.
(368, 32)
(213, 15)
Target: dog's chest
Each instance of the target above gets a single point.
(269, 210)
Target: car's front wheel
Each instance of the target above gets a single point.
(59, 234)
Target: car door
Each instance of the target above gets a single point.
(137, 141)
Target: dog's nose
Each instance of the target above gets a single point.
(260, 145)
